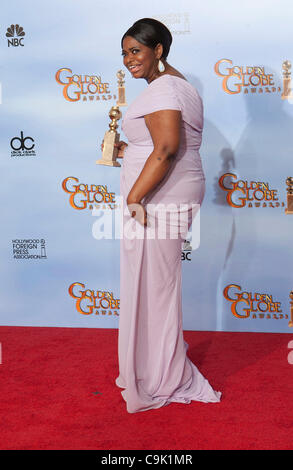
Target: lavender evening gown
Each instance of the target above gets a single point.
(154, 368)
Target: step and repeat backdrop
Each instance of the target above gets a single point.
(58, 84)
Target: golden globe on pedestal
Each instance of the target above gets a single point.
(291, 309)
(287, 91)
(289, 208)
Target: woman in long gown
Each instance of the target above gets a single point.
(161, 165)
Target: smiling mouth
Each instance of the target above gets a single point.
(134, 68)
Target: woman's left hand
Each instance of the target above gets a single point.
(138, 211)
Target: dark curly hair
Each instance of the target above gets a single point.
(150, 32)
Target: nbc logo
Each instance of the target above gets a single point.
(16, 33)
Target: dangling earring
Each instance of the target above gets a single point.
(161, 66)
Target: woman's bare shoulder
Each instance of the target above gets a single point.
(175, 73)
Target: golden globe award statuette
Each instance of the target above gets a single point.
(291, 309)
(287, 92)
(112, 137)
(289, 208)
(121, 89)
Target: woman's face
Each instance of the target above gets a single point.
(140, 60)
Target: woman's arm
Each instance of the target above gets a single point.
(164, 127)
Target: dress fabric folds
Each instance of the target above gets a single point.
(154, 369)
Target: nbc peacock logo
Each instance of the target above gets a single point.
(15, 35)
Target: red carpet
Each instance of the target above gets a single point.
(58, 392)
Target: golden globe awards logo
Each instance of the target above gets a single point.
(82, 87)
(97, 302)
(252, 305)
(244, 79)
(83, 196)
(241, 193)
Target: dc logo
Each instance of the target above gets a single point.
(12, 31)
(19, 143)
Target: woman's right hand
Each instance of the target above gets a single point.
(121, 147)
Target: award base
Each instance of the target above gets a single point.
(287, 92)
(104, 162)
(289, 208)
(110, 151)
